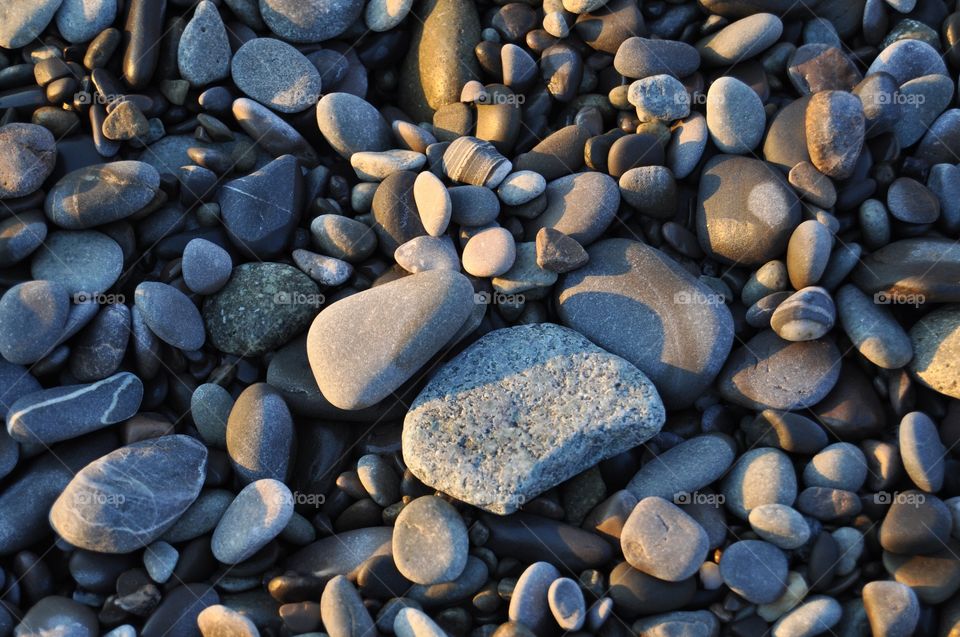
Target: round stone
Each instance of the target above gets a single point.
(210, 406)
(489, 253)
(911, 202)
(529, 604)
(567, 604)
(206, 266)
(171, 315)
(424, 253)
(922, 451)
(838, 466)
(309, 21)
(80, 20)
(661, 540)
(220, 620)
(33, 314)
(430, 541)
(54, 614)
(781, 525)
(892, 608)
(755, 570)
(835, 130)
(383, 15)
(805, 315)
(521, 187)
(735, 116)
(257, 515)
(350, 124)
(915, 524)
(684, 468)
(936, 346)
(24, 20)
(433, 203)
(872, 329)
(87, 263)
(27, 155)
(760, 476)
(276, 75)
(740, 40)
(908, 59)
(260, 436)
(818, 614)
(638, 58)
(343, 238)
(101, 193)
(581, 206)
(687, 144)
(659, 98)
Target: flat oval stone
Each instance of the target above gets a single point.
(659, 98)
(261, 307)
(489, 253)
(309, 21)
(567, 604)
(805, 315)
(350, 124)
(769, 372)
(540, 456)
(912, 271)
(411, 622)
(342, 237)
(908, 59)
(741, 40)
(835, 130)
(409, 320)
(81, 20)
(85, 262)
(746, 211)
(755, 570)
(528, 605)
(178, 612)
(677, 332)
(635, 593)
(69, 411)
(934, 578)
(936, 345)
(638, 57)
(206, 266)
(20, 236)
(786, 143)
(54, 614)
(424, 253)
(276, 75)
(24, 20)
(735, 116)
(922, 451)
(788, 431)
(260, 436)
(892, 608)
(171, 315)
(821, 67)
(395, 214)
(915, 524)
(921, 101)
(760, 476)
(27, 155)
(34, 315)
(103, 510)
(257, 515)
(780, 525)
(816, 615)
(203, 54)
(99, 194)
(684, 468)
(343, 553)
(218, 619)
(661, 540)
(687, 144)
(838, 466)
(872, 329)
(808, 253)
(342, 610)
(473, 205)
(430, 541)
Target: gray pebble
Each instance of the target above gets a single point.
(276, 75)
(27, 156)
(661, 540)
(430, 541)
(529, 603)
(922, 451)
(659, 98)
(805, 315)
(872, 329)
(160, 560)
(342, 610)
(567, 604)
(257, 515)
(33, 315)
(755, 570)
(735, 116)
(203, 55)
(741, 40)
(206, 266)
(838, 466)
(780, 525)
(171, 315)
(892, 608)
(309, 21)
(818, 614)
(760, 476)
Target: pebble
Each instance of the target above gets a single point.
(379, 480)
(651, 190)
(275, 74)
(260, 435)
(395, 216)
(20, 236)
(529, 604)
(638, 57)
(490, 253)
(61, 413)
(835, 131)
(558, 252)
(433, 203)
(680, 623)
(201, 517)
(780, 525)
(922, 451)
(101, 510)
(383, 15)
(661, 540)
(27, 156)
(102, 193)
(740, 40)
(262, 306)
(915, 524)
(34, 314)
(311, 21)
(908, 59)
(217, 620)
(659, 98)
(735, 116)
(892, 608)
(612, 305)
(342, 610)
(805, 315)
(376, 166)
(903, 272)
(203, 54)
(684, 468)
(425, 253)
(411, 622)
(430, 541)
(936, 342)
(521, 187)
(206, 266)
(549, 425)
(326, 271)
(171, 315)
(872, 329)
(755, 570)
(343, 238)
(24, 20)
(759, 476)
(525, 275)
(350, 124)
(818, 614)
(838, 466)
(911, 202)
(177, 613)
(567, 604)
(415, 315)
(54, 614)
(473, 205)
(769, 372)
(819, 67)
(812, 185)
(257, 515)
(160, 559)
(934, 578)
(922, 100)
(272, 133)
(745, 211)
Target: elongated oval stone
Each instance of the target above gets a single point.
(101, 193)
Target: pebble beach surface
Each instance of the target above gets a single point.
(479, 318)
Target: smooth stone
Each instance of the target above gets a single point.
(171, 315)
(425, 253)
(559, 253)
(839, 466)
(20, 236)
(892, 608)
(70, 411)
(835, 131)
(87, 263)
(260, 435)
(735, 116)
(740, 40)
(639, 57)
(261, 307)
(473, 205)
(309, 21)
(23, 20)
(15, 383)
(812, 185)
(378, 479)
(786, 142)
(220, 621)
(27, 156)
(760, 476)
(99, 349)
(911, 202)
(34, 315)
(160, 559)
(606, 28)
(343, 238)
(541, 355)
(852, 409)
(55, 615)
(922, 100)
(659, 98)
(651, 190)
(521, 187)
(581, 206)
(677, 333)
(272, 132)
(915, 524)
(780, 525)
(395, 215)
(177, 614)
(98, 194)
(81, 20)
(430, 541)
(201, 517)
(440, 59)
(699, 623)
(934, 578)
(922, 451)
(203, 54)
(383, 15)
(638, 594)
(101, 510)
(350, 124)
(805, 315)
(560, 153)
(376, 166)
(567, 604)
(684, 468)
(411, 622)
(911, 272)
(936, 343)
(470, 160)
(746, 211)
(788, 431)
(525, 275)
(944, 182)
(528, 604)
(474, 576)
(821, 67)
(206, 266)
(342, 610)
(687, 144)
(275, 74)
(433, 203)
(343, 553)
(661, 540)
(326, 271)
(881, 104)
(908, 59)
(410, 319)
(816, 615)
(489, 253)
(257, 515)
(769, 372)
(755, 570)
